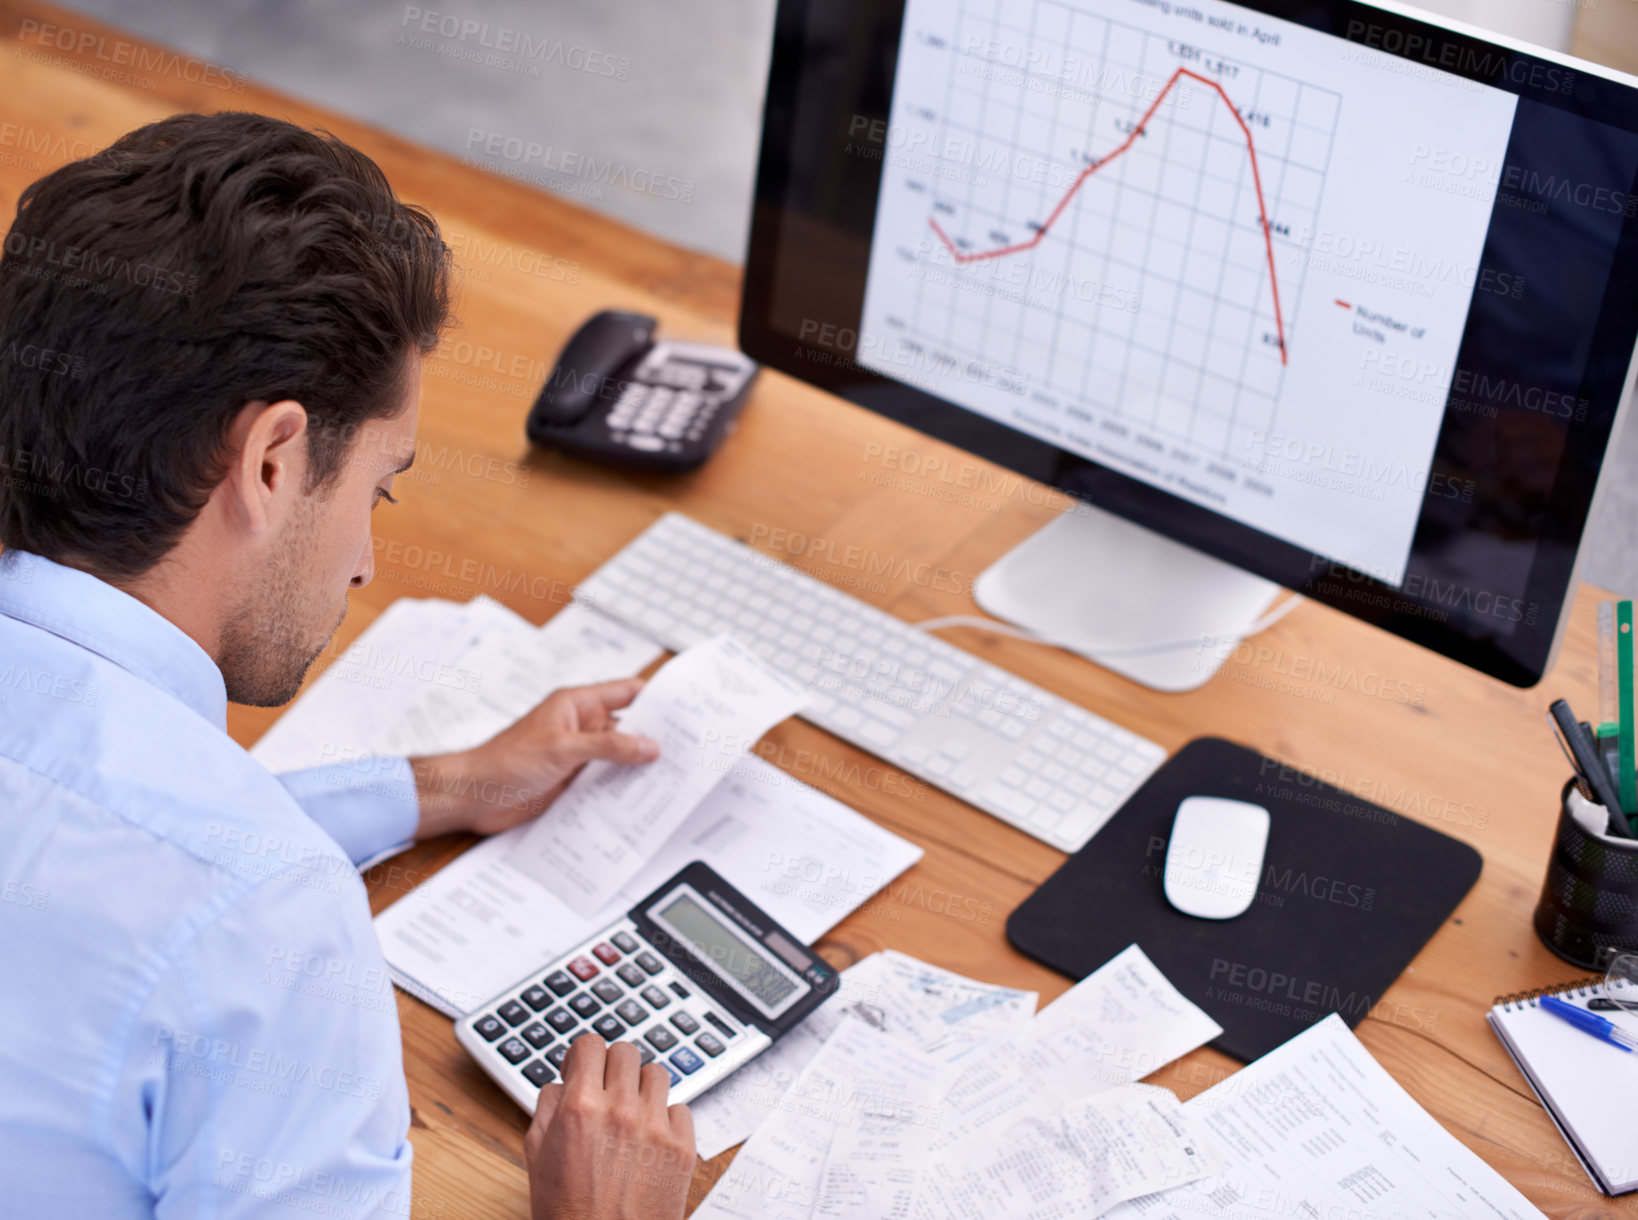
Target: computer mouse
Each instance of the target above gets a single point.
(1215, 856)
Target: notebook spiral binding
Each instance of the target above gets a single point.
(1579, 989)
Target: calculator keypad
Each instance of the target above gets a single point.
(620, 989)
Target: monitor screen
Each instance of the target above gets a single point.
(1327, 291)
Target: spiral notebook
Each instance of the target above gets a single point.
(1589, 1087)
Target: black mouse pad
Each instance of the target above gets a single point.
(1348, 894)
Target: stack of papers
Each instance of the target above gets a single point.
(432, 676)
(917, 1092)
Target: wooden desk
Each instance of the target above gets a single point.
(485, 514)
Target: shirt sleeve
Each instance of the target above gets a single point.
(266, 1067)
(367, 805)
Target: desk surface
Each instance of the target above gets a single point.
(484, 514)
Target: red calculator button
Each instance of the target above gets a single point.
(607, 953)
(583, 968)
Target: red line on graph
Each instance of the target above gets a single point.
(962, 256)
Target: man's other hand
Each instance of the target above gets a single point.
(518, 772)
(604, 1145)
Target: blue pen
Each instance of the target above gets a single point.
(1592, 1023)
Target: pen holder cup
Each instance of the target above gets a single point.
(1589, 900)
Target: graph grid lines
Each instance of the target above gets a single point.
(1140, 243)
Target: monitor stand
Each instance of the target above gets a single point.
(1108, 589)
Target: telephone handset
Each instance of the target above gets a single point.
(617, 395)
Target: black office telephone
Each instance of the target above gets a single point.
(617, 395)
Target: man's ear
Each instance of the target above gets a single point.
(270, 462)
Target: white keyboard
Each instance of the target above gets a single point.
(939, 713)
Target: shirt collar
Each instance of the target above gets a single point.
(116, 626)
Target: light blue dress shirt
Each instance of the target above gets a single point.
(195, 1017)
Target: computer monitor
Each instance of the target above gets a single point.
(1323, 294)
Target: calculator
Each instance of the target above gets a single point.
(695, 976)
(619, 395)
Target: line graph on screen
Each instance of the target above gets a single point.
(1141, 129)
(1120, 215)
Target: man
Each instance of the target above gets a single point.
(209, 375)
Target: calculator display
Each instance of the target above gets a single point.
(732, 956)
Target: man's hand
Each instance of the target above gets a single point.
(516, 773)
(604, 1145)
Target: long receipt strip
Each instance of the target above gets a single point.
(430, 676)
(609, 821)
(874, 1084)
(1318, 1128)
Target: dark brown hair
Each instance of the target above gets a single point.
(148, 292)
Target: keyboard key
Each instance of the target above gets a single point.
(709, 1044)
(630, 975)
(687, 1062)
(876, 734)
(606, 953)
(557, 1054)
(650, 963)
(560, 982)
(539, 1074)
(632, 1013)
(670, 1071)
(562, 1020)
(584, 1005)
(514, 1050)
(607, 990)
(536, 997)
(648, 1055)
(682, 992)
(583, 968)
(625, 942)
(661, 1038)
(685, 1022)
(489, 1028)
(513, 1013)
(535, 1034)
(727, 1029)
(608, 1028)
(655, 997)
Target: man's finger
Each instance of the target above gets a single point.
(682, 1125)
(654, 1086)
(625, 748)
(583, 1067)
(546, 1105)
(620, 1068)
(606, 696)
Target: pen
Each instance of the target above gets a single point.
(1589, 1022)
(1628, 779)
(1584, 758)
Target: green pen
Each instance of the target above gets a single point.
(1609, 713)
